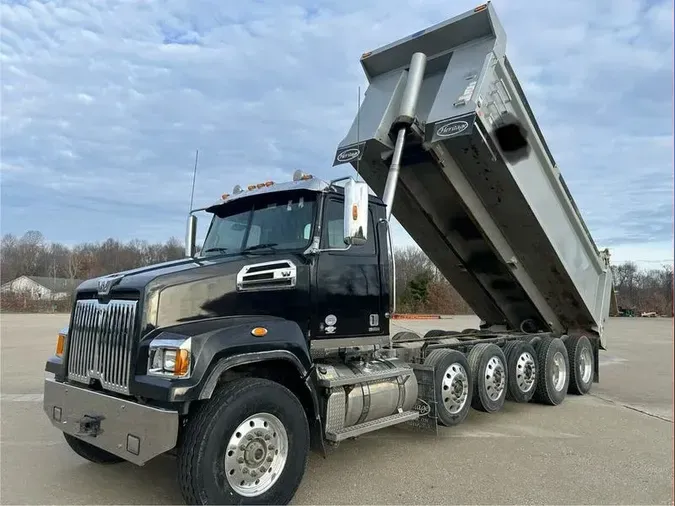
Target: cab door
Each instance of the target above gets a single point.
(347, 284)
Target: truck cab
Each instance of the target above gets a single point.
(286, 245)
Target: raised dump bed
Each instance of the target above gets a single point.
(504, 231)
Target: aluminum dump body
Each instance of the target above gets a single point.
(506, 235)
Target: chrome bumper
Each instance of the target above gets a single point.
(132, 431)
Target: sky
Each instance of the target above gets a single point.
(105, 102)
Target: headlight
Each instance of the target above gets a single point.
(170, 357)
(61, 341)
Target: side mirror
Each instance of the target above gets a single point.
(356, 213)
(191, 236)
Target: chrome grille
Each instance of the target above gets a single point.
(101, 343)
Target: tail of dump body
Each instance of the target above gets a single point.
(445, 135)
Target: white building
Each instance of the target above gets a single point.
(38, 287)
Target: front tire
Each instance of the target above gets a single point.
(247, 445)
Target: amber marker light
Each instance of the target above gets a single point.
(60, 343)
(182, 363)
(259, 332)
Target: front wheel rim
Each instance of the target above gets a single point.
(558, 371)
(256, 454)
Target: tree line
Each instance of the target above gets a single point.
(420, 287)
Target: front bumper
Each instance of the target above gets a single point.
(129, 430)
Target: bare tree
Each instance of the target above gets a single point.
(419, 285)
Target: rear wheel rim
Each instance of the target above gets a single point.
(494, 378)
(455, 388)
(558, 371)
(256, 455)
(585, 365)
(525, 372)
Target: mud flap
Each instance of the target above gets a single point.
(426, 404)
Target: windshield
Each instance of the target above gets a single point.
(272, 221)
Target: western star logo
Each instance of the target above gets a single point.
(104, 285)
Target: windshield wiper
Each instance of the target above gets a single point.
(212, 250)
(269, 245)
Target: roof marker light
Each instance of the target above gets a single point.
(298, 175)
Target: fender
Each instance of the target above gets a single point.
(308, 378)
(248, 358)
(221, 343)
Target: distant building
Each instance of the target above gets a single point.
(41, 288)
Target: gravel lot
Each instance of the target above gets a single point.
(612, 447)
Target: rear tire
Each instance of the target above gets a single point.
(553, 378)
(90, 452)
(490, 377)
(247, 445)
(522, 371)
(454, 387)
(580, 356)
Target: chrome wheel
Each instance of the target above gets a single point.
(495, 378)
(525, 372)
(585, 365)
(559, 371)
(455, 388)
(256, 454)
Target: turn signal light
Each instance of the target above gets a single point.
(60, 344)
(355, 212)
(182, 363)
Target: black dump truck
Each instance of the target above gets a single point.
(274, 339)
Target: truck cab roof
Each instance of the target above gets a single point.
(303, 182)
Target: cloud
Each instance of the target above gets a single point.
(104, 104)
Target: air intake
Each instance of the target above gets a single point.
(275, 275)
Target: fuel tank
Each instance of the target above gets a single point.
(366, 400)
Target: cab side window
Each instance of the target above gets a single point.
(333, 229)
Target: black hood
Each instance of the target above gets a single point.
(195, 288)
(136, 280)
